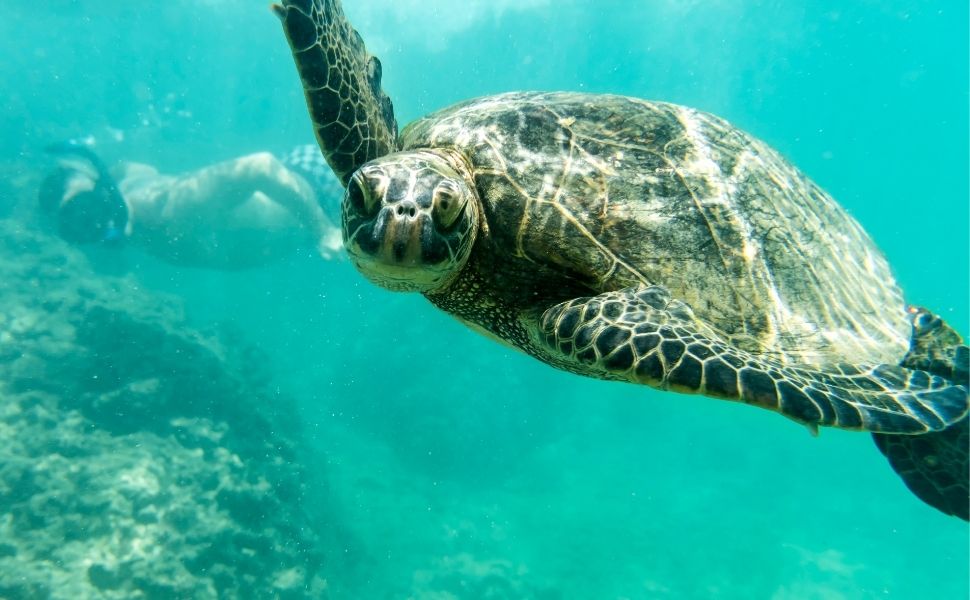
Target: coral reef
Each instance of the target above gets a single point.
(140, 458)
(465, 576)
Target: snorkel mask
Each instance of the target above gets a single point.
(83, 199)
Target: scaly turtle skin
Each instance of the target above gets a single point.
(636, 241)
(934, 465)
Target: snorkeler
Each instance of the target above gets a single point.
(245, 212)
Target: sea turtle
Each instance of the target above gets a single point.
(636, 241)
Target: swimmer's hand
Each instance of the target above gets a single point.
(331, 246)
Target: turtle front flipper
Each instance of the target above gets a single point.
(935, 466)
(352, 116)
(643, 336)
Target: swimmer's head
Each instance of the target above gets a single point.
(84, 204)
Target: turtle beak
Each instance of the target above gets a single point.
(400, 229)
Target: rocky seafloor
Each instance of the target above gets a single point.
(139, 457)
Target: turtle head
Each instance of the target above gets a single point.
(410, 219)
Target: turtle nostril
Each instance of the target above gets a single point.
(406, 208)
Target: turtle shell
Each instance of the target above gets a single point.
(595, 193)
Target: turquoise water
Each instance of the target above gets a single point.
(456, 468)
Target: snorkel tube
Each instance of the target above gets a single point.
(96, 216)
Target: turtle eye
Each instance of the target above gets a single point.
(360, 197)
(447, 204)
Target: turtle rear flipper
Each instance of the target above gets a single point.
(935, 466)
(643, 336)
(352, 116)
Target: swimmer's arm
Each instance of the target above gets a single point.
(260, 177)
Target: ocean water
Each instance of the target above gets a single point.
(444, 465)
